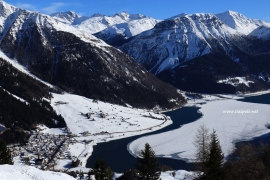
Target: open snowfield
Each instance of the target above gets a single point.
(9, 172)
(230, 124)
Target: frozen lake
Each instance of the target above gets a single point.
(175, 143)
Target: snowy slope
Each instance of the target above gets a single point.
(180, 38)
(241, 23)
(261, 32)
(9, 172)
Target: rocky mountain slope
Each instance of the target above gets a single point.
(212, 45)
(78, 62)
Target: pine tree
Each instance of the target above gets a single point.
(147, 165)
(101, 171)
(5, 157)
(214, 164)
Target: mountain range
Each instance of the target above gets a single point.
(127, 59)
(231, 46)
(195, 52)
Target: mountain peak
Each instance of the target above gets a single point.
(240, 22)
(124, 15)
(66, 17)
(6, 9)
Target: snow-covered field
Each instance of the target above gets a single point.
(93, 122)
(230, 118)
(12, 172)
(9, 172)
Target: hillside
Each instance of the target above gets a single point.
(80, 63)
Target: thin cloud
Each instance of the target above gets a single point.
(26, 6)
(54, 7)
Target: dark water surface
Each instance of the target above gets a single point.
(260, 99)
(116, 155)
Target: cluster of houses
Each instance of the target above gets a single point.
(43, 150)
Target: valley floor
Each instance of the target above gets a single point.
(90, 122)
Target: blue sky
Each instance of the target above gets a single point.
(160, 9)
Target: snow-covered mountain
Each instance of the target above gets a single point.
(178, 39)
(99, 22)
(120, 32)
(241, 23)
(78, 62)
(109, 28)
(67, 17)
(166, 49)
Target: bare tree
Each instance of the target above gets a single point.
(248, 162)
(201, 142)
(202, 145)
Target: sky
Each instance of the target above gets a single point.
(159, 9)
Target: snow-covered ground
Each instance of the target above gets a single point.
(168, 175)
(9, 172)
(179, 175)
(233, 121)
(93, 122)
(236, 81)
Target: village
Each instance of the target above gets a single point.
(43, 150)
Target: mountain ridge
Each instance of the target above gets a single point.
(177, 40)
